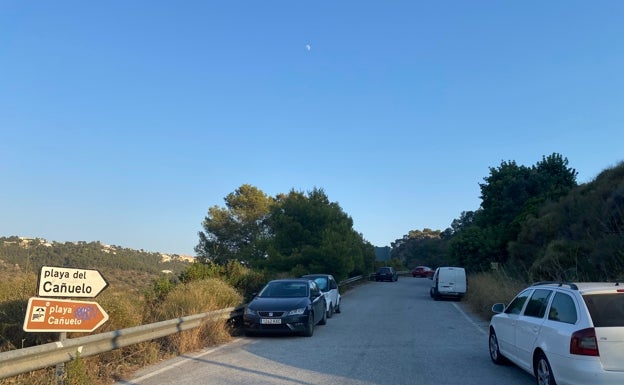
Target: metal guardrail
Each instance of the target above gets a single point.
(24, 360)
(349, 281)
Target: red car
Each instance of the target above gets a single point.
(423, 272)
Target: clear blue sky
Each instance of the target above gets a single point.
(124, 121)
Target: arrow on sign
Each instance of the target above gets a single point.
(57, 315)
(65, 282)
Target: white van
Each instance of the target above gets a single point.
(448, 282)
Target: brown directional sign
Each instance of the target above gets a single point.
(57, 315)
(70, 283)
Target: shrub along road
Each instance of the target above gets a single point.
(387, 333)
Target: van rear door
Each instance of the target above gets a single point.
(452, 280)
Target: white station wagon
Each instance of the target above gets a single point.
(563, 333)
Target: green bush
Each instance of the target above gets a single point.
(243, 279)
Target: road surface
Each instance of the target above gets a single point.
(389, 333)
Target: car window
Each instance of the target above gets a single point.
(322, 283)
(515, 307)
(537, 304)
(284, 290)
(333, 284)
(606, 309)
(563, 309)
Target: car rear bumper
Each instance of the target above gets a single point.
(583, 371)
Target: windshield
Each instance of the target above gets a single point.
(287, 289)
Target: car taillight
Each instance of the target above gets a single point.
(583, 342)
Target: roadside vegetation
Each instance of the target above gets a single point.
(163, 298)
(486, 289)
(534, 223)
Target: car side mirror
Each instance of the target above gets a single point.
(498, 308)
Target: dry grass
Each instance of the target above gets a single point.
(194, 298)
(486, 289)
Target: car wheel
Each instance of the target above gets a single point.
(323, 320)
(543, 371)
(495, 353)
(330, 312)
(309, 329)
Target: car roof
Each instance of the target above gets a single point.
(289, 280)
(315, 275)
(584, 287)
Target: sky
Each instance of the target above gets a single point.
(125, 121)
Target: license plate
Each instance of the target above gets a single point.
(271, 321)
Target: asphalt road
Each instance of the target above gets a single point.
(389, 333)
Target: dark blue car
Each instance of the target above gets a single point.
(286, 306)
(386, 273)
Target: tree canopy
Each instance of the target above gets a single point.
(510, 194)
(238, 231)
(296, 233)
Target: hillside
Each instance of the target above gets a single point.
(120, 266)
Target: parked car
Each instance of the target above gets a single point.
(329, 287)
(386, 273)
(286, 306)
(563, 333)
(448, 282)
(422, 272)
